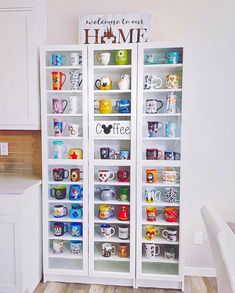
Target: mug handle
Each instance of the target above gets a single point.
(161, 102)
(112, 229)
(117, 106)
(82, 191)
(52, 192)
(112, 175)
(158, 195)
(165, 234)
(65, 177)
(157, 249)
(66, 211)
(161, 154)
(113, 250)
(66, 104)
(64, 125)
(98, 80)
(157, 231)
(66, 229)
(98, 57)
(112, 153)
(63, 75)
(161, 125)
(96, 105)
(161, 82)
(80, 74)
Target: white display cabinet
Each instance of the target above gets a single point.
(159, 261)
(64, 107)
(113, 129)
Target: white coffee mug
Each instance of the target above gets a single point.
(105, 175)
(58, 246)
(151, 250)
(170, 176)
(170, 234)
(103, 58)
(124, 82)
(74, 129)
(75, 59)
(123, 232)
(73, 104)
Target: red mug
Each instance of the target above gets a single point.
(151, 214)
(171, 214)
(123, 175)
(58, 80)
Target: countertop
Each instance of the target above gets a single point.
(16, 183)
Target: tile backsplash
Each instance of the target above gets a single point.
(24, 152)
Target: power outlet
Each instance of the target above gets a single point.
(4, 148)
(198, 237)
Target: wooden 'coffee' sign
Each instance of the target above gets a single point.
(114, 28)
(116, 129)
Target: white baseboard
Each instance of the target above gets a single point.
(199, 271)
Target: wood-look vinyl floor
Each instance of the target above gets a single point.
(192, 285)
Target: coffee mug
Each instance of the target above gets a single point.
(104, 83)
(123, 175)
(108, 249)
(170, 195)
(105, 175)
(172, 81)
(124, 155)
(104, 106)
(172, 57)
(154, 127)
(152, 106)
(123, 106)
(170, 234)
(103, 58)
(152, 82)
(151, 232)
(123, 250)
(76, 211)
(168, 155)
(58, 80)
(59, 126)
(75, 174)
(171, 103)
(153, 154)
(106, 231)
(105, 212)
(75, 58)
(58, 246)
(76, 229)
(151, 176)
(106, 194)
(107, 153)
(59, 228)
(151, 195)
(75, 153)
(170, 253)
(152, 250)
(75, 79)
(59, 105)
(59, 174)
(59, 149)
(170, 129)
(74, 130)
(73, 104)
(170, 176)
(123, 194)
(121, 57)
(123, 232)
(151, 214)
(76, 247)
(171, 214)
(57, 60)
(60, 211)
(58, 192)
(75, 192)
(124, 82)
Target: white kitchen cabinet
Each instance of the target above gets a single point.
(20, 245)
(22, 29)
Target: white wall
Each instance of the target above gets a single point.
(206, 28)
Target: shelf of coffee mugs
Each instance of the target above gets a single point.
(161, 184)
(112, 183)
(113, 201)
(64, 219)
(103, 162)
(162, 115)
(111, 91)
(159, 222)
(160, 259)
(157, 66)
(112, 67)
(98, 256)
(63, 91)
(160, 204)
(109, 221)
(63, 67)
(72, 162)
(113, 239)
(65, 183)
(162, 91)
(64, 237)
(64, 200)
(113, 115)
(65, 254)
(162, 163)
(111, 138)
(65, 137)
(64, 115)
(161, 138)
(159, 240)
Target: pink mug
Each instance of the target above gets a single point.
(59, 105)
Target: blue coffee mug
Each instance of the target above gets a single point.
(57, 60)
(172, 57)
(76, 211)
(76, 229)
(123, 106)
(75, 192)
(124, 155)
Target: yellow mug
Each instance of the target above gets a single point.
(75, 153)
(151, 232)
(104, 106)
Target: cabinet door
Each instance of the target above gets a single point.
(19, 102)
(10, 255)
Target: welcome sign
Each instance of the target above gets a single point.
(116, 129)
(114, 28)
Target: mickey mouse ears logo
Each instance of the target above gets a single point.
(107, 129)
